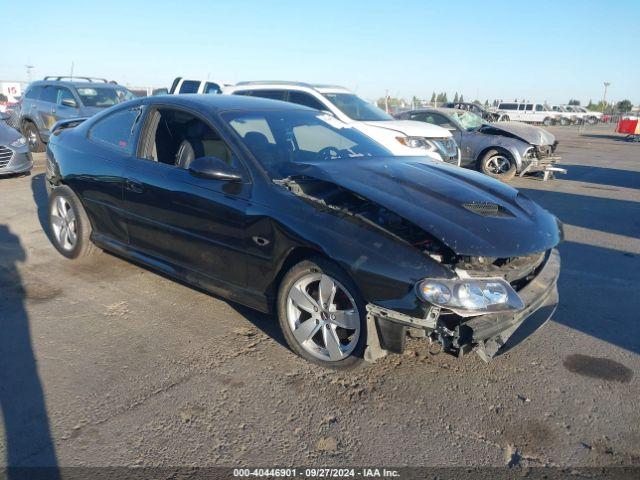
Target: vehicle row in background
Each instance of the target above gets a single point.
(399, 137)
(56, 98)
(541, 113)
(500, 149)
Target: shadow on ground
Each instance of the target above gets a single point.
(602, 176)
(27, 431)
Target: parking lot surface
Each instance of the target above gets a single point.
(106, 363)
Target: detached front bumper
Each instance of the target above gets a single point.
(546, 164)
(15, 161)
(490, 335)
(495, 334)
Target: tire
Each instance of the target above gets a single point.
(504, 118)
(30, 132)
(69, 225)
(304, 313)
(563, 121)
(547, 122)
(491, 164)
(592, 120)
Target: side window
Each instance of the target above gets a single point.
(302, 98)
(529, 107)
(117, 130)
(420, 117)
(508, 106)
(34, 92)
(272, 94)
(64, 94)
(440, 120)
(313, 138)
(211, 87)
(175, 137)
(189, 86)
(50, 94)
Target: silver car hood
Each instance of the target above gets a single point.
(528, 133)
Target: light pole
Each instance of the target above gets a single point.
(604, 97)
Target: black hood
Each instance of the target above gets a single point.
(469, 212)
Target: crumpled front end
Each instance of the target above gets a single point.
(542, 158)
(533, 277)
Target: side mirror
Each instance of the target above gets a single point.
(214, 169)
(69, 102)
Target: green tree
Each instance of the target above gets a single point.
(624, 106)
(486, 102)
(573, 101)
(433, 97)
(461, 99)
(455, 98)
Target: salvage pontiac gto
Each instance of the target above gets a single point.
(288, 210)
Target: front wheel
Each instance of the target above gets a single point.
(564, 121)
(69, 225)
(498, 165)
(322, 315)
(547, 122)
(30, 132)
(504, 118)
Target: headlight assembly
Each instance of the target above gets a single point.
(417, 142)
(470, 296)
(21, 142)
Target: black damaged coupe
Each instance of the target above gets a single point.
(287, 210)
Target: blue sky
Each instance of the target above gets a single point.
(539, 50)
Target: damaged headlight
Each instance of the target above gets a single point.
(470, 296)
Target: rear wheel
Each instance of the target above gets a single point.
(30, 132)
(322, 315)
(498, 164)
(564, 121)
(547, 122)
(69, 225)
(504, 118)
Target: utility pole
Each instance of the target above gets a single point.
(29, 68)
(604, 97)
(386, 100)
(71, 73)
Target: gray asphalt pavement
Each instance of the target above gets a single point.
(103, 362)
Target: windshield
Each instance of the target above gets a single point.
(467, 120)
(282, 140)
(356, 108)
(103, 97)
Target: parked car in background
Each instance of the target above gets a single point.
(399, 136)
(182, 85)
(566, 116)
(474, 108)
(585, 116)
(289, 210)
(500, 150)
(527, 112)
(48, 101)
(14, 151)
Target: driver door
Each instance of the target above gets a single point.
(194, 225)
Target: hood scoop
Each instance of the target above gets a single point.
(487, 209)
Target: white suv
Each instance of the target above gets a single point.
(567, 116)
(183, 85)
(400, 137)
(527, 112)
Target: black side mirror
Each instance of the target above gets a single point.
(214, 169)
(69, 102)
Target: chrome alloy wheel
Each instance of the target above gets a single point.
(323, 317)
(63, 223)
(498, 164)
(32, 138)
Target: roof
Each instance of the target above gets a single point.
(287, 83)
(215, 103)
(75, 83)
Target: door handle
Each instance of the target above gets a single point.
(133, 186)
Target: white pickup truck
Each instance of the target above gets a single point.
(527, 112)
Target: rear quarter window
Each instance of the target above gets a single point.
(117, 130)
(189, 86)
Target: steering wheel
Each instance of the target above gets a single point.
(329, 153)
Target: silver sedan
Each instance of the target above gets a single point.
(499, 149)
